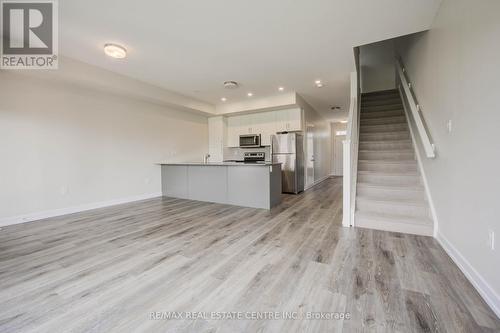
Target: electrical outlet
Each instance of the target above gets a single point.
(448, 126)
(491, 239)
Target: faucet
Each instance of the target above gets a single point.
(205, 158)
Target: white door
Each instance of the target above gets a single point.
(310, 156)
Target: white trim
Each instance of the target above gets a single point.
(485, 290)
(421, 168)
(350, 152)
(75, 209)
(316, 182)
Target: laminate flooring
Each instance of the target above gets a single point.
(172, 265)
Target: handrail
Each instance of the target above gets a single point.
(351, 155)
(406, 90)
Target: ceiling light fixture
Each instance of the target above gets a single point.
(281, 88)
(250, 94)
(115, 51)
(343, 121)
(230, 84)
(223, 99)
(318, 83)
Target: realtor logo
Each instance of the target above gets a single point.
(29, 34)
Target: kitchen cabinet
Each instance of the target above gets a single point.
(289, 120)
(216, 138)
(247, 124)
(234, 130)
(263, 123)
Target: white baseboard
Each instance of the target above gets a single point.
(75, 209)
(485, 290)
(316, 182)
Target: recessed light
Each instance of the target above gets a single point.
(318, 83)
(115, 51)
(223, 99)
(250, 94)
(281, 88)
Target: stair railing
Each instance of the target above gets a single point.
(350, 154)
(405, 89)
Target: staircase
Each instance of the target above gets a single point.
(390, 195)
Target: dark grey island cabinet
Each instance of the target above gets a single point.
(250, 185)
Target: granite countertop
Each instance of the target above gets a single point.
(221, 163)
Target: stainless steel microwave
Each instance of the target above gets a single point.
(250, 140)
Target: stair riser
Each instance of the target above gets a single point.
(396, 209)
(383, 121)
(384, 136)
(416, 229)
(378, 108)
(381, 114)
(386, 194)
(389, 180)
(392, 156)
(384, 101)
(382, 167)
(384, 95)
(384, 146)
(383, 128)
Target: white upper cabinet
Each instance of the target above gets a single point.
(247, 123)
(234, 130)
(289, 120)
(263, 123)
(216, 138)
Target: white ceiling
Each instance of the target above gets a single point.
(192, 46)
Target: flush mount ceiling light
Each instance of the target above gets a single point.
(343, 121)
(223, 99)
(230, 84)
(115, 51)
(250, 94)
(335, 108)
(318, 83)
(281, 88)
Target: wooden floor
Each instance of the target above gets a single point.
(107, 270)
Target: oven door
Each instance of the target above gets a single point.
(247, 141)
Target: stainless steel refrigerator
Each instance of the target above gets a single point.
(288, 149)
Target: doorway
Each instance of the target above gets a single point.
(338, 135)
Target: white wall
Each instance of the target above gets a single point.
(65, 145)
(377, 66)
(322, 140)
(455, 72)
(337, 148)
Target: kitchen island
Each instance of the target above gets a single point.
(256, 185)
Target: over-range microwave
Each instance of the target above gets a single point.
(250, 140)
